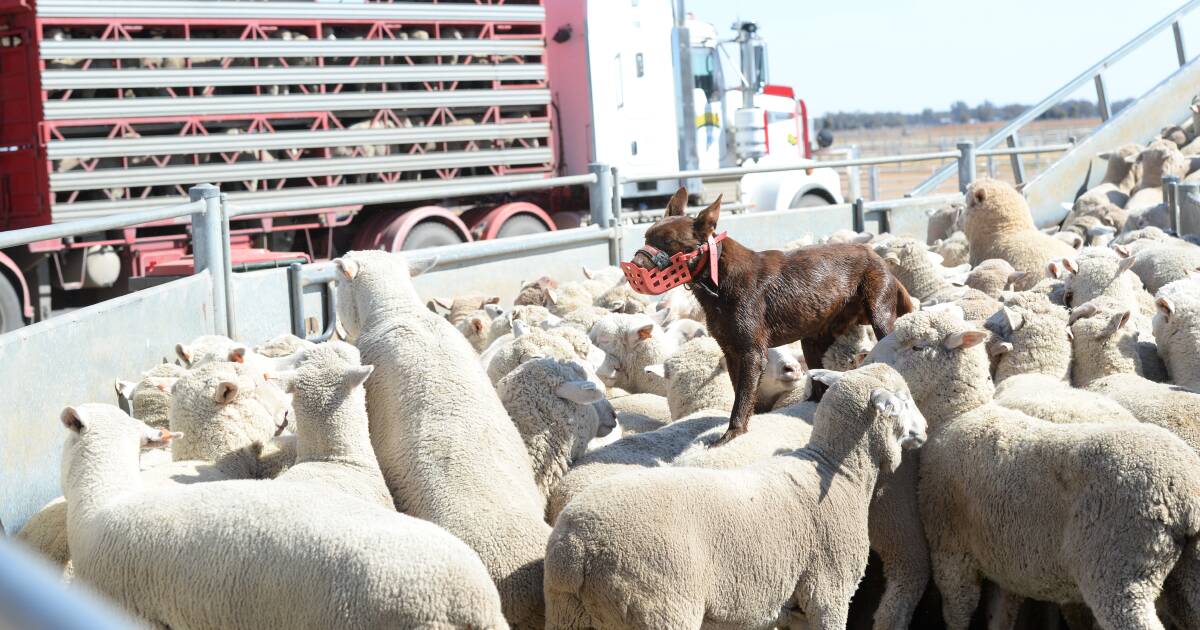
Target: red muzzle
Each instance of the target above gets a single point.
(672, 271)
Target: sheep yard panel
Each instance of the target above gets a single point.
(261, 308)
(75, 358)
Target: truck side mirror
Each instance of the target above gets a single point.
(824, 138)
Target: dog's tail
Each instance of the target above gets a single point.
(904, 302)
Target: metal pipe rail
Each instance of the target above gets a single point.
(718, 173)
(394, 193)
(1043, 148)
(280, 140)
(33, 597)
(297, 75)
(281, 169)
(25, 236)
(282, 48)
(206, 9)
(331, 196)
(154, 107)
(1093, 74)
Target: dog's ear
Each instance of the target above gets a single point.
(706, 221)
(678, 203)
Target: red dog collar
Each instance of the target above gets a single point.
(673, 271)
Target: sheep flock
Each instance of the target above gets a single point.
(1028, 443)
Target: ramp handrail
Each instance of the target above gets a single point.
(1095, 74)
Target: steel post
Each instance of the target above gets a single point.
(873, 182)
(1171, 199)
(966, 165)
(1187, 198)
(859, 215)
(854, 183)
(295, 274)
(1018, 167)
(602, 195)
(1101, 97)
(1179, 51)
(227, 269)
(208, 249)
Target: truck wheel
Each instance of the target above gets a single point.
(10, 307)
(809, 200)
(521, 225)
(430, 234)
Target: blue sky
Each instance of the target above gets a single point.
(910, 54)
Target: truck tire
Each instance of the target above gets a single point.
(520, 225)
(430, 234)
(809, 200)
(10, 307)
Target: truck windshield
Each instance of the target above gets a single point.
(704, 70)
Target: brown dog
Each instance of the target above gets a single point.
(767, 299)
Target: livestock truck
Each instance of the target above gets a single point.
(110, 107)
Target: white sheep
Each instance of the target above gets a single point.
(1029, 335)
(955, 250)
(456, 459)
(333, 445)
(219, 406)
(1107, 362)
(910, 263)
(1120, 177)
(639, 413)
(631, 551)
(205, 348)
(150, 398)
(998, 224)
(1176, 328)
(1048, 398)
(623, 299)
(344, 562)
(475, 327)
(990, 277)
(1124, 507)
(681, 304)
(281, 346)
(631, 342)
(558, 406)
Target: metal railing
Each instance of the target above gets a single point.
(1095, 74)
(210, 212)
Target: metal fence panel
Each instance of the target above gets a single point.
(72, 359)
(502, 275)
(261, 307)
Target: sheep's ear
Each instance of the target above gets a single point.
(356, 376)
(658, 369)
(418, 267)
(1069, 265)
(440, 302)
(1070, 335)
(347, 267)
(225, 393)
(1119, 320)
(828, 377)
(860, 357)
(892, 258)
(1080, 312)
(551, 321)
(677, 203)
(979, 194)
(72, 419)
(166, 385)
(1012, 318)
(1133, 159)
(339, 331)
(965, 339)
(1052, 269)
(237, 355)
(519, 328)
(184, 353)
(588, 272)
(477, 324)
(551, 297)
(1105, 156)
(495, 299)
(1122, 251)
(885, 402)
(662, 315)
(645, 332)
(617, 306)
(580, 392)
(1126, 264)
(125, 388)
(493, 310)
(998, 349)
(286, 380)
(1166, 307)
(1067, 206)
(158, 438)
(1016, 277)
(706, 221)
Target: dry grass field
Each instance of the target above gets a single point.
(897, 179)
